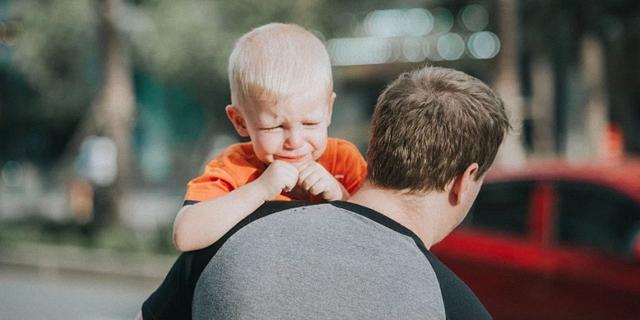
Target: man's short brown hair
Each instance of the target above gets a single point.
(429, 125)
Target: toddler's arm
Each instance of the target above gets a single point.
(200, 225)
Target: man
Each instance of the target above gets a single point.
(435, 132)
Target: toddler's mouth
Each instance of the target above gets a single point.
(291, 159)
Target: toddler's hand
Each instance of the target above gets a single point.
(316, 180)
(278, 177)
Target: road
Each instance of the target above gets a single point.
(30, 293)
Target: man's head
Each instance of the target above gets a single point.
(281, 92)
(430, 127)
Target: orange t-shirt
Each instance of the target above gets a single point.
(238, 165)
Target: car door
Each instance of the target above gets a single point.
(494, 250)
(595, 275)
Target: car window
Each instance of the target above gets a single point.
(501, 207)
(596, 217)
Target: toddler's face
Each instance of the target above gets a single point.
(292, 129)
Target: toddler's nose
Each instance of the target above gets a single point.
(294, 139)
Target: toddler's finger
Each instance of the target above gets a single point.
(304, 175)
(318, 188)
(311, 180)
(301, 165)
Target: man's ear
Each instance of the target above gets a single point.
(237, 119)
(332, 99)
(459, 187)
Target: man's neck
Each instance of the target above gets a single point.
(418, 213)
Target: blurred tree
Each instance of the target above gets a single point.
(508, 81)
(55, 50)
(79, 58)
(581, 59)
(58, 34)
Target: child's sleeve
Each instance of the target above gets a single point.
(214, 182)
(352, 165)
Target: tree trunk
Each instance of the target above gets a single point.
(508, 82)
(542, 106)
(586, 119)
(111, 116)
(596, 95)
(116, 103)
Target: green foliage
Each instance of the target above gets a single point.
(59, 51)
(114, 238)
(177, 41)
(187, 42)
(55, 50)
(190, 41)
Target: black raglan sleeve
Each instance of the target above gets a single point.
(173, 298)
(459, 300)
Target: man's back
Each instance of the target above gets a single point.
(327, 261)
(435, 132)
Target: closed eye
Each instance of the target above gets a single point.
(311, 124)
(268, 129)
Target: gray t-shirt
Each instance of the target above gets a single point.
(318, 262)
(326, 261)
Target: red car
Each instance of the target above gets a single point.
(553, 241)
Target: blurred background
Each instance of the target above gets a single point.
(109, 107)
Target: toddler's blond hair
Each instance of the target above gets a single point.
(276, 60)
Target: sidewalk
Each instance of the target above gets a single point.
(79, 259)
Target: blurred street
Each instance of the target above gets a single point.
(40, 281)
(32, 293)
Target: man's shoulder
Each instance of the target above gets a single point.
(343, 234)
(459, 300)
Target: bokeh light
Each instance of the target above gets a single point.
(443, 20)
(12, 174)
(474, 17)
(451, 46)
(428, 50)
(483, 45)
(358, 51)
(412, 49)
(418, 22)
(394, 22)
(384, 23)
